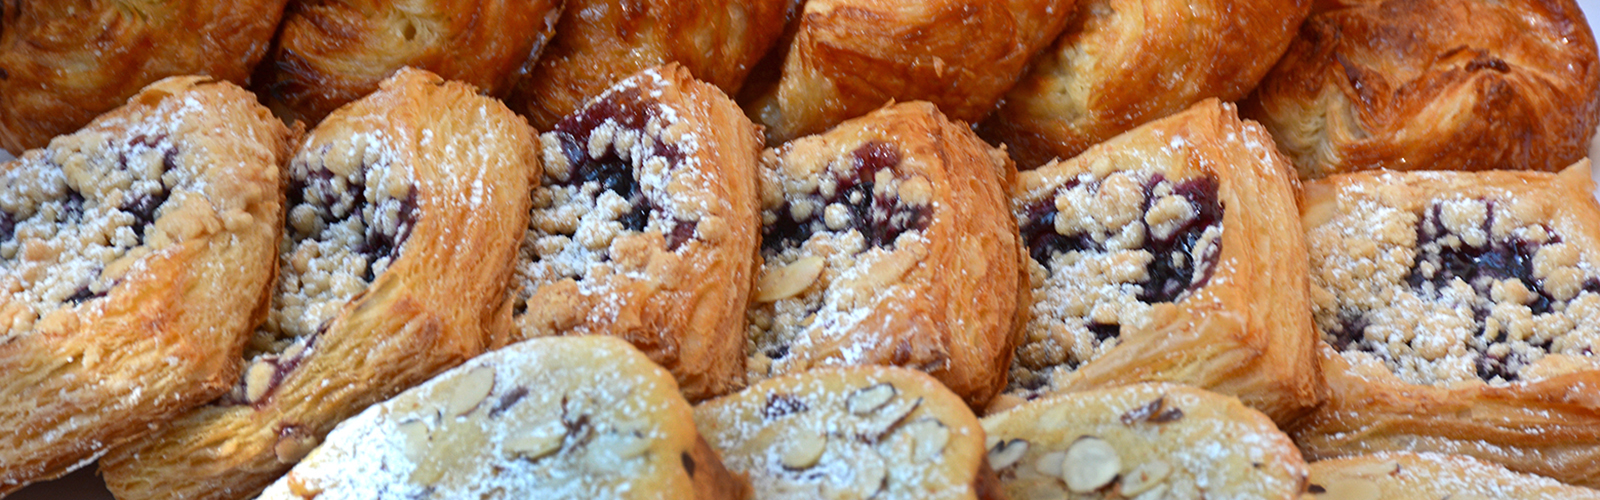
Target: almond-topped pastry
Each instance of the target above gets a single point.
(551, 418)
(135, 257)
(849, 57)
(64, 62)
(1434, 85)
(1431, 476)
(1170, 253)
(1122, 63)
(599, 42)
(1142, 442)
(331, 53)
(880, 432)
(644, 227)
(404, 213)
(887, 241)
(1459, 313)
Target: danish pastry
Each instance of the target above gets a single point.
(1169, 253)
(850, 57)
(852, 432)
(331, 53)
(1435, 85)
(644, 227)
(1430, 476)
(886, 241)
(135, 256)
(64, 62)
(1142, 441)
(1122, 63)
(405, 209)
(1459, 313)
(571, 418)
(599, 42)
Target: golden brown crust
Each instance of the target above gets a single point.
(1435, 85)
(462, 163)
(852, 56)
(923, 276)
(331, 53)
(1546, 420)
(1125, 62)
(158, 329)
(599, 42)
(1244, 331)
(63, 62)
(1430, 476)
(645, 227)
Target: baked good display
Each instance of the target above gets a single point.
(1434, 85)
(599, 42)
(135, 256)
(1431, 476)
(404, 213)
(1122, 63)
(1169, 253)
(62, 63)
(850, 57)
(330, 53)
(886, 240)
(576, 417)
(644, 227)
(1459, 313)
(1142, 441)
(850, 432)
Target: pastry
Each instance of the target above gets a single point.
(1143, 442)
(1431, 476)
(1122, 63)
(1459, 314)
(1434, 85)
(886, 241)
(644, 227)
(1169, 253)
(404, 212)
(571, 418)
(854, 432)
(850, 57)
(64, 62)
(135, 256)
(331, 53)
(599, 42)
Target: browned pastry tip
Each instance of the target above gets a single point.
(1122, 63)
(599, 42)
(63, 62)
(1435, 85)
(331, 53)
(135, 256)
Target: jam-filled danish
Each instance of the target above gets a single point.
(1459, 313)
(644, 227)
(887, 241)
(404, 212)
(1169, 253)
(135, 256)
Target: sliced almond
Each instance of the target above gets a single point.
(416, 433)
(258, 379)
(804, 449)
(1349, 489)
(930, 435)
(632, 444)
(537, 443)
(871, 474)
(1049, 464)
(1090, 463)
(473, 388)
(789, 280)
(1156, 492)
(869, 399)
(1145, 476)
(1007, 453)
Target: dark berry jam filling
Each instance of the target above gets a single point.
(317, 188)
(8, 226)
(879, 218)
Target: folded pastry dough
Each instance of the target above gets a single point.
(1169, 253)
(1122, 63)
(405, 209)
(1431, 476)
(1434, 85)
(63, 62)
(135, 257)
(887, 240)
(331, 53)
(1459, 313)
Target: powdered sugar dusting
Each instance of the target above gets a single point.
(1432, 475)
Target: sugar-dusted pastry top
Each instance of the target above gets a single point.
(1431, 476)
